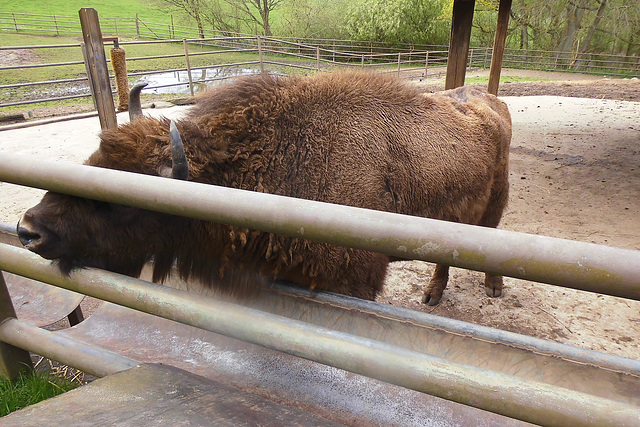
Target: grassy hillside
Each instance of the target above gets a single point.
(147, 10)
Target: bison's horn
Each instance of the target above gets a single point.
(180, 168)
(135, 109)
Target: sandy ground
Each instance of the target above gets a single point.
(575, 173)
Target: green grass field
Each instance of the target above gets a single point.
(147, 10)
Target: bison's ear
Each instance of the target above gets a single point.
(180, 167)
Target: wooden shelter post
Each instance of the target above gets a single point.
(498, 46)
(459, 42)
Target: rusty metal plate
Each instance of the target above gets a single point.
(38, 302)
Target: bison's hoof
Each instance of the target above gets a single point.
(493, 292)
(431, 297)
(493, 285)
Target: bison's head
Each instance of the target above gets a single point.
(77, 232)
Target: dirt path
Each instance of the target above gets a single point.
(575, 173)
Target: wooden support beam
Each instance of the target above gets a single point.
(459, 42)
(96, 65)
(498, 46)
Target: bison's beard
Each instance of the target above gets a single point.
(129, 266)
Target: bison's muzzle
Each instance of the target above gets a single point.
(39, 239)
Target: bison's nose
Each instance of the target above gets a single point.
(27, 237)
(38, 238)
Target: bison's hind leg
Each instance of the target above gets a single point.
(491, 218)
(435, 288)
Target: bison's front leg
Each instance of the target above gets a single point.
(438, 282)
(493, 285)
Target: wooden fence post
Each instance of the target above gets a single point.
(260, 54)
(426, 65)
(318, 58)
(13, 360)
(96, 65)
(186, 57)
(399, 58)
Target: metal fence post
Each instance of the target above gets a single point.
(186, 57)
(13, 360)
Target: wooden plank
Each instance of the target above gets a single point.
(13, 360)
(162, 396)
(459, 42)
(96, 65)
(498, 46)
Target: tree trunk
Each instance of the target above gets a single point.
(264, 12)
(580, 62)
(574, 13)
(524, 29)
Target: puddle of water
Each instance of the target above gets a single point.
(178, 81)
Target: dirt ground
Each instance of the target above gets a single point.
(575, 174)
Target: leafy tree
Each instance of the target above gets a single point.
(577, 26)
(314, 18)
(399, 21)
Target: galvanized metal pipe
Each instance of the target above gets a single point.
(65, 349)
(572, 264)
(496, 392)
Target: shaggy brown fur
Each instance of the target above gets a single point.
(356, 139)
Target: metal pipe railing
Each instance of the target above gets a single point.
(64, 349)
(530, 401)
(572, 264)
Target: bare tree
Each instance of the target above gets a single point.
(256, 13)
(196, 9)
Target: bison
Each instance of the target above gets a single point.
(358, 139)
